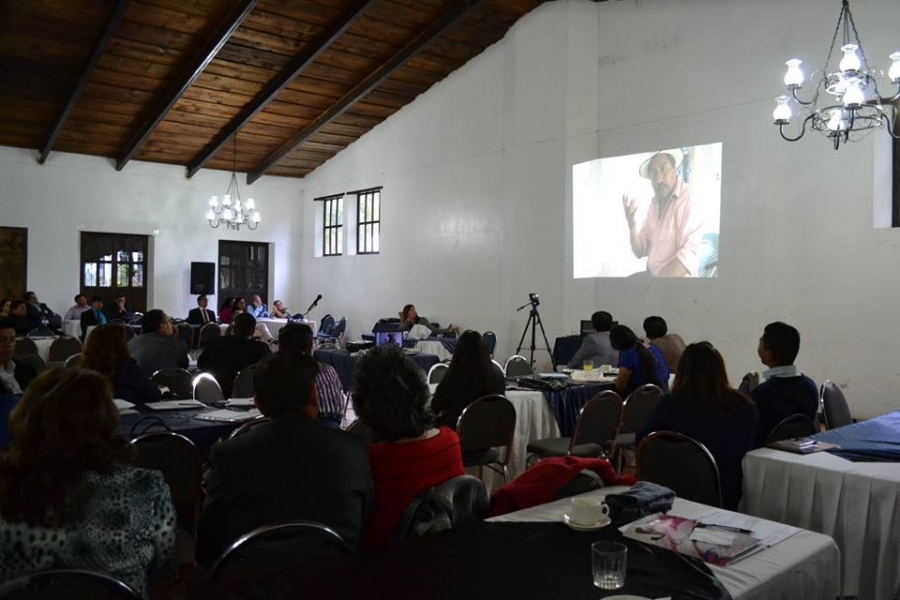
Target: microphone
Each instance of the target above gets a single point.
(314, 304)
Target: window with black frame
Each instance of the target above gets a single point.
(368, 221)
(333, 225)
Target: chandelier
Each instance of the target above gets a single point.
(231, 212)
(851, 106)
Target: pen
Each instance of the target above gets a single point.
(724, 527)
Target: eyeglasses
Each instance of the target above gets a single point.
(7, 339)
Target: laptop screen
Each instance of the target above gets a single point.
(587, 326)
(393, 338)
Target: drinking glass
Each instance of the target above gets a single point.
(588, 365)
(608, 562)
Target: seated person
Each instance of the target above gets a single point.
(237, 307)
(14, 374)
(409, 317)
(158, 347)
(298, 337)
(201, 315)
(293, 468)
(106, 352)
(596, 346)
(786, 391)
(257, 308)
(17, 317)
(408, 455)
(471, 375)
(225, 311)
(68, 498)
(94, 316)
(119, 310)
(279, 311)
(81, 305)
(8, 401)
(704, 406)
(670, 344)
(226, 356)
(5, 305)
(638, 364)
(37, 313)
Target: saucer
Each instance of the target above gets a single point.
(603, 522)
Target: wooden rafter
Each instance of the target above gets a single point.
(94, 59)
(190, 74)
(364, 87)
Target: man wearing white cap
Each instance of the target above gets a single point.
(671, 233)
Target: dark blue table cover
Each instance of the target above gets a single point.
(564, 348)
(875, 440)
(345, 364)
(567, 403)
(202, 433)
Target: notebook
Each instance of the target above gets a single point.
(229, 416)
(175, 405)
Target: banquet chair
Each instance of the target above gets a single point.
(34, 361)
(834, 406)
(636, 409)
(73, 362)
(25, 346)
(265, 557)
(62, 348)
(325, 327)
(359, 428)
(340, 328)
(485, 425)
(490, 341)
(179, 381)
(436, 372)
(42, 332)
(248, 425)
(186, 334)
(208, 332)
(518, 366)
(66, 583)
(793, 426)
(458, 501)
(206, 389)
(595, 431)
(500, 368)
(682, 464)
(243, 383)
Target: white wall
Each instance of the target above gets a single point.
(477, 186)
(73, 193)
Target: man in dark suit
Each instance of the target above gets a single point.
(37, 314)
(201, 315)
(94, 316)
(119, 310)
(226, 356)
(17, 317)
(292, 468)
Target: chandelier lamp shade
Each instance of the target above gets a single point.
(232, 212)
(845, 104)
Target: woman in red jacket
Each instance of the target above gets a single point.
(408, 455)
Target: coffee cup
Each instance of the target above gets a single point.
(588, 510)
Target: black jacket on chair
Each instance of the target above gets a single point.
(195, 317)
(293, 468)
(88, 318)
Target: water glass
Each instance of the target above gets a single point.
(608, 563)
(588, 365)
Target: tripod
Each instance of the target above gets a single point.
(534, 321)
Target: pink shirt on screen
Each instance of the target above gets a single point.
(674, 234)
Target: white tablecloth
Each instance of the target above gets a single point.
(273, 326)
(72, 328)
(433, 347)
(43, 346)
(858, 504)
(806, 565)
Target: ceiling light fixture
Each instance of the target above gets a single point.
(852, 106)
(231, 212)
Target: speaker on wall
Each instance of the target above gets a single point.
(202, 276)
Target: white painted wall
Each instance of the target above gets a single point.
(477, 186)
(73, 193)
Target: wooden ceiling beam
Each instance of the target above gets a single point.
(94, 59)
(364, 87)
(291, 71)
(190, 74)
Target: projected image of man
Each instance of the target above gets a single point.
(670, 235)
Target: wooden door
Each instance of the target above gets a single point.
(13, 262)
(243, 270)
(113, 264)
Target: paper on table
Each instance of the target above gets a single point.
(240, 402)
(768, 532)
(122, 404)
(711, 536)
(230, 416)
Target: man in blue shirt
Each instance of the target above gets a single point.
(786, 391)
(257, 308)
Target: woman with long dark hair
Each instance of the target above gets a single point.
(225, 311)
(471, 375)
(638, 364)
(106, 352)
(68, 498)
(704, 406)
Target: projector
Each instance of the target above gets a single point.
(358, 345)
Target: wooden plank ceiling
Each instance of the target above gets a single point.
(297, 80)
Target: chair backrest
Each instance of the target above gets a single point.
(436, 372)
(179, 381)
(73, 361)
(66, 583)
(62, 348)
(186, 334)
(487, 423)
(243, 383)
(518, 366)
(340, 328)
(179, 461)
(500, 368)
(326, 325)
(209, 332)
(259, 557)
(490, 341)
(206, 389)
(794, 426)
(128, 330)
(41, 332)
(682, 464)
(248, 426)
(834, 406)
(34, 361)
(599, 420)
(458, 501)
(638, 407)
(25, 346)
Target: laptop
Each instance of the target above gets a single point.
(587, 327)
(392, 338)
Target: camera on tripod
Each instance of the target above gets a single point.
(535, 301)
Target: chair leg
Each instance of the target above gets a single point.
(506, 474)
